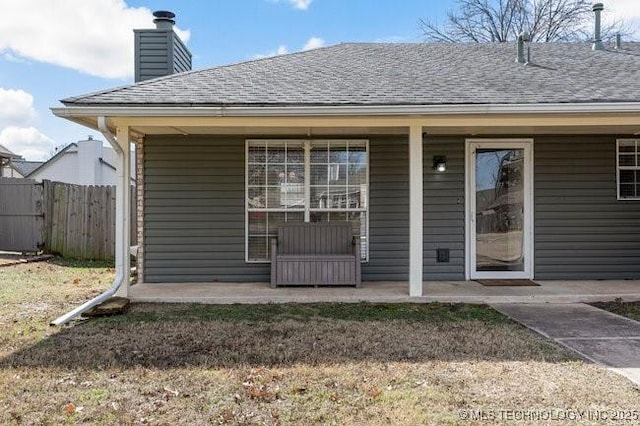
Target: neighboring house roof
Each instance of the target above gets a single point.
(6, 153)
(59, 154)
(25, 167)
(398, 74)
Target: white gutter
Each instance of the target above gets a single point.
(119, 279)
(343, 110)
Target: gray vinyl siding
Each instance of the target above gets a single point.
(581, 230)
(159, 53)
(194, 210)
(195, 219)
(181, 56)
(443, 201)
(388, 210)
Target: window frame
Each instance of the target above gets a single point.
(635, 168)
(307, 189)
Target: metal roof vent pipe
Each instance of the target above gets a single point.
(618, 41)
(597, 38)
(164, 19)
(523, 38)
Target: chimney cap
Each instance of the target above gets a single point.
(164, 19)
(164, 14)
(598, 7)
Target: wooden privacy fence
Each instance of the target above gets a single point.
(20, 215)
(79, 221)
(75, 220)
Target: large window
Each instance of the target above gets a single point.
(628, 160)
(304, 181)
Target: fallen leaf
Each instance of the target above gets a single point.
(374, 393)
(260, 393)
(69, 409)
(76, 281)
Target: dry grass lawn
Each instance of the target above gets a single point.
(274, 364)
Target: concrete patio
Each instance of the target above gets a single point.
(390, 292)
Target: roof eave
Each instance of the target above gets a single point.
(74, 111)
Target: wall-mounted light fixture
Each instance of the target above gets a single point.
(440, 163)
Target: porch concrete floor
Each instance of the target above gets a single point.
(389, 292)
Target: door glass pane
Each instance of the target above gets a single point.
(499, 209)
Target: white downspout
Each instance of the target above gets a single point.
(122, 182)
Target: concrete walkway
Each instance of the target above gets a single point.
(390, 292)
(597, 335)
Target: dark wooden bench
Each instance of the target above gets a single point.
(315, 254)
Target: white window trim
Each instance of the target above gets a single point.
(619, 167)
(307, 183)
(529, 249)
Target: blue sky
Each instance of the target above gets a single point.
(52, 49)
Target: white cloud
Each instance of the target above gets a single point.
(16, 107)
(297, 4)
(300, 4)
(281, 50)
(8, 56)
(313, 43)
(16, 116)
(28, 142)
(94, 37)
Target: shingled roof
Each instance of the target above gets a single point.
(397, 74)
(24, 167)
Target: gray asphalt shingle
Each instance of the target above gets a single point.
(399, 74)
(25, 167)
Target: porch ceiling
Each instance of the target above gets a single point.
(462, 124)
(439, 130)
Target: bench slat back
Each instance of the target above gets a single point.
(315, 238)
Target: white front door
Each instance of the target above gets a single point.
(499, 208)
